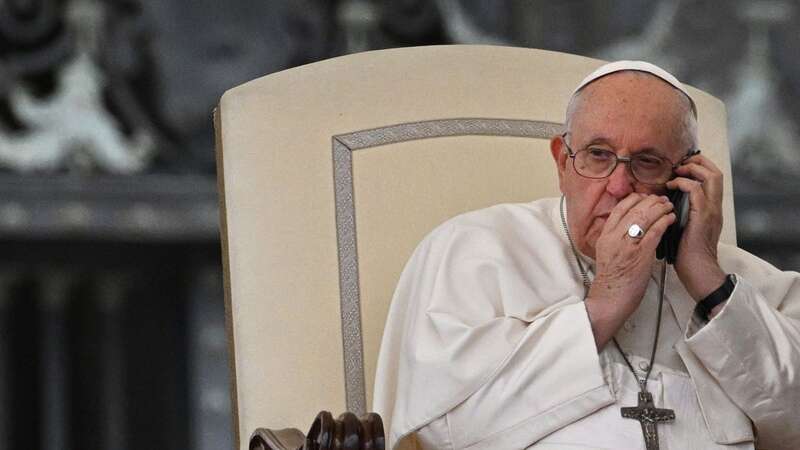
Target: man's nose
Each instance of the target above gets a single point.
(620, 182)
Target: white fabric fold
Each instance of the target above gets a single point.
(752, 348)
(488, 345)
(466, 295)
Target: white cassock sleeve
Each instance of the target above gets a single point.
(488, 343)
(752, 347)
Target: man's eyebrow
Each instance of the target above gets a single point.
(600, 140)
(649, 151)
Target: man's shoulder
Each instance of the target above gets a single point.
(506, 216)
(737, 260)
(502, 225)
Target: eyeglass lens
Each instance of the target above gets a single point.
(600, 163)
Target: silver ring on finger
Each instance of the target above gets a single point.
(635, 231)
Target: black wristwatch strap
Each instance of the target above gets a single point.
(713, 299)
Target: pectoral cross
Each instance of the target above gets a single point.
(648, 416)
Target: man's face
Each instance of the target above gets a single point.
(627, 113)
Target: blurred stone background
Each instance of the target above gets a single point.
(111, 306)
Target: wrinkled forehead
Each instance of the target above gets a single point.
(634, 105)
(633, 89)
(640, 67)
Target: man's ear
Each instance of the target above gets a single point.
(560, 157)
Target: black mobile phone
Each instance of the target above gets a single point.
(668, 247)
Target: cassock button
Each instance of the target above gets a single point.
(644, 365)
(628, 326)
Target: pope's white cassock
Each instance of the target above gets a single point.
(488, 346)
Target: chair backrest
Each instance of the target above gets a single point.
(331, 173)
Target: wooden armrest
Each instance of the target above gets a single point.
(285, 439)
(347, 432)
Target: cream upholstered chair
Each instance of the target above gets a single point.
(331, 173)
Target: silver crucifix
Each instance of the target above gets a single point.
(648, 416)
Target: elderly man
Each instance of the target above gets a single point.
(552, 324)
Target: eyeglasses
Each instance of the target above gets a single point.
(647, 168)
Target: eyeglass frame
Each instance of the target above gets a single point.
(627, 159)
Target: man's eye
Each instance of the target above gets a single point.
(599, 154)
(649, 160)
